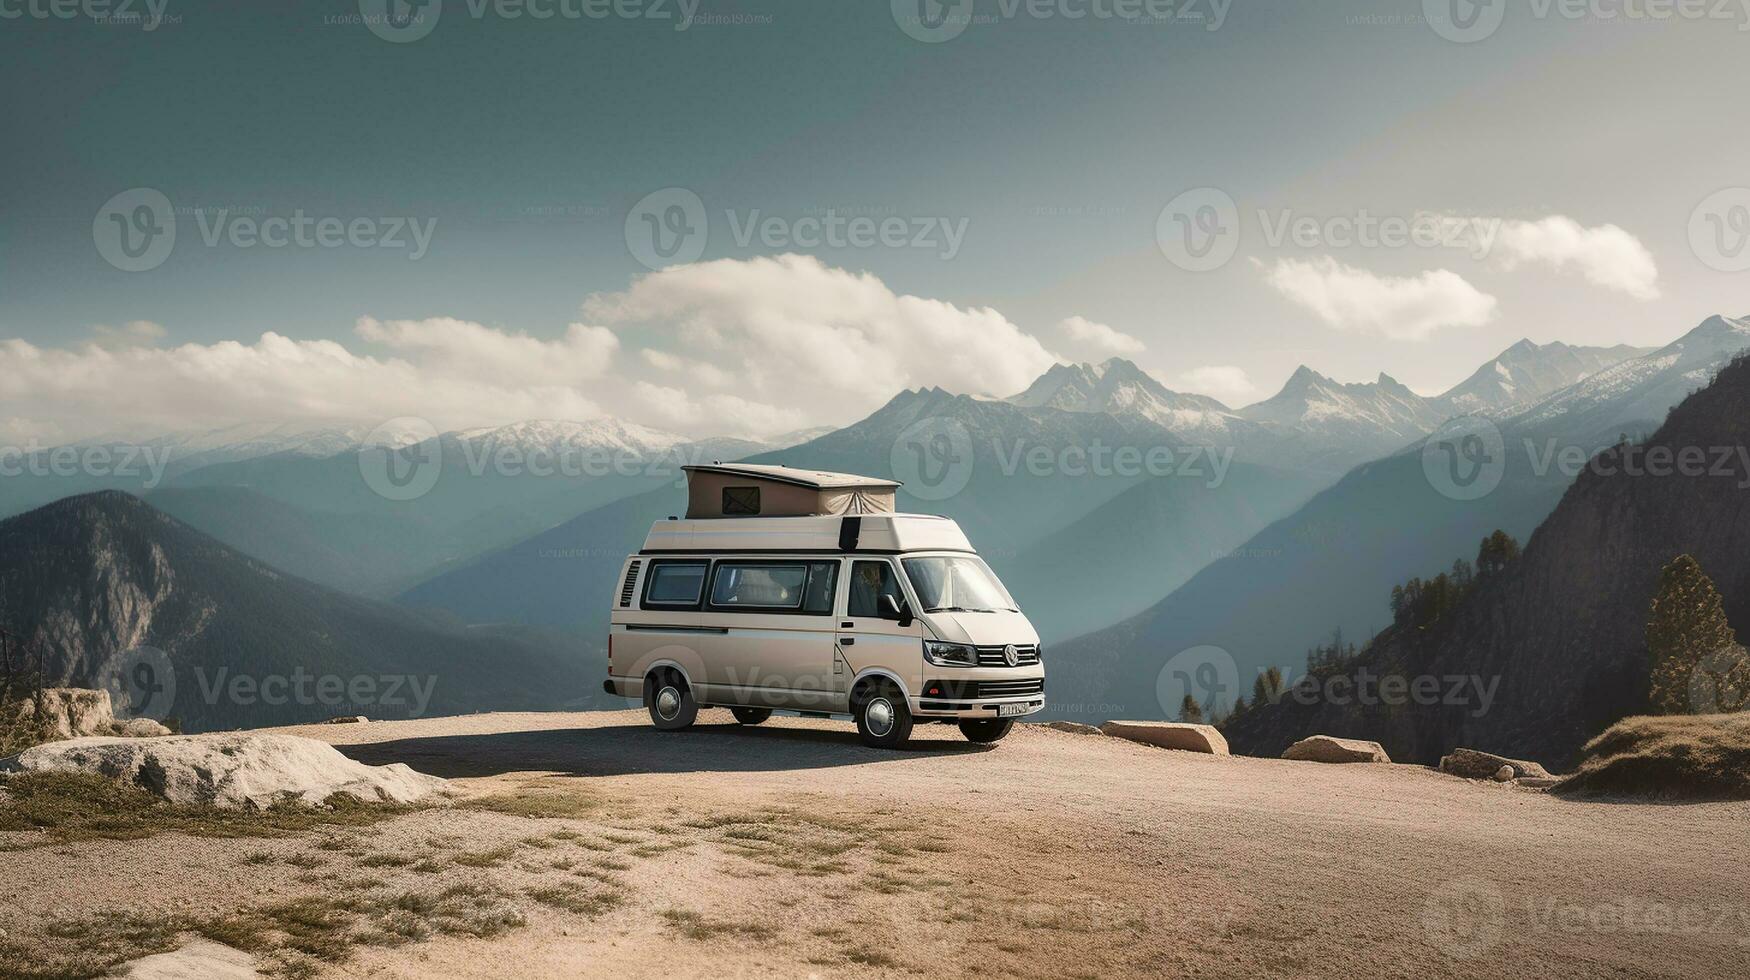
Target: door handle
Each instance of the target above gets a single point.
(846, 641)
(846, 626)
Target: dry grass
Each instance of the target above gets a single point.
(80, 806)
(1679, 757)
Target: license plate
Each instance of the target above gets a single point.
(1010, 710)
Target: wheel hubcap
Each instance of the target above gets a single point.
(668, 703)
(879, 716)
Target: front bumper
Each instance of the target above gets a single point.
(984, 697)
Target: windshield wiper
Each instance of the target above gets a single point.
(960, 609)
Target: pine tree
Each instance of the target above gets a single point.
(1190, 712)
(1497, 551)
(1687, 624)
(1268, 687)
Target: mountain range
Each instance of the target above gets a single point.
(1560, 631)
(88, 582)
(1332, 563)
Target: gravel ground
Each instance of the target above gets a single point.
(791, 850)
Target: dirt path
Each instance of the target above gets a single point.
(791, 850)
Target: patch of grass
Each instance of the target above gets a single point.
(305, 861)
(67, 806)
(1674, 757)
(258, 857)
(485, 859)
(427, 866)
(385, 861)
(576, 900)
(542, 805)
(695, 926)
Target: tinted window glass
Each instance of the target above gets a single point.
(822, 577)
(762, 586)
(869, 581)
(675, 583)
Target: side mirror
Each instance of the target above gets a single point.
(893, 608)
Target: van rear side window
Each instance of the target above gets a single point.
(675, 583)
(775, 586)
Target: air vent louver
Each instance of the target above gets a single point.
(631, 580)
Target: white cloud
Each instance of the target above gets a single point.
(817, 343)
(1223, 382)
(1607, 255)
(462, 349)
(1099, 337)
(742, 348)
(1402, 308)
(81, 391)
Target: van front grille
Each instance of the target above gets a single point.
(631, 581)
(1006, 689)
(974, 690)
(1027, 656)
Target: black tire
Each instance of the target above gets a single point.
(883, 718)
(986, 730)
(670, 701)
(751, 716)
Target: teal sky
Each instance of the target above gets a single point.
(1057, 141)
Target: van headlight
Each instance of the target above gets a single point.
(950, 654)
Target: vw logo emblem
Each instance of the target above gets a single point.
(1011, 656)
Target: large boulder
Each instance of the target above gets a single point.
(1170, 735)
(1472, 764)
(230, 769)
(69, 712)
(140, 728)
(1327, 748)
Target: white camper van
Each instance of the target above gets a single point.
(804, 591)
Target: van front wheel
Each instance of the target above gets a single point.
(883, 718)
(670, 701)
(986, 730)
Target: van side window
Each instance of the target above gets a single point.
(675, 583)
(741, 501)
(823, 580)
(870, 580)
(747, 584)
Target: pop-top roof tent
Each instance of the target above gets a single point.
(751, 507)
(756, 490)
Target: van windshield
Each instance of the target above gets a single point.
(957, 584)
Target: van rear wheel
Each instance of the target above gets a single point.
(985, 730)
(751, 716)
(883, 718)
(670, 701)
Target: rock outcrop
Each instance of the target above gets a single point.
(1472, 764)
(1326, 748)
(1170, 735)
(231, 769)
(69, 712)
